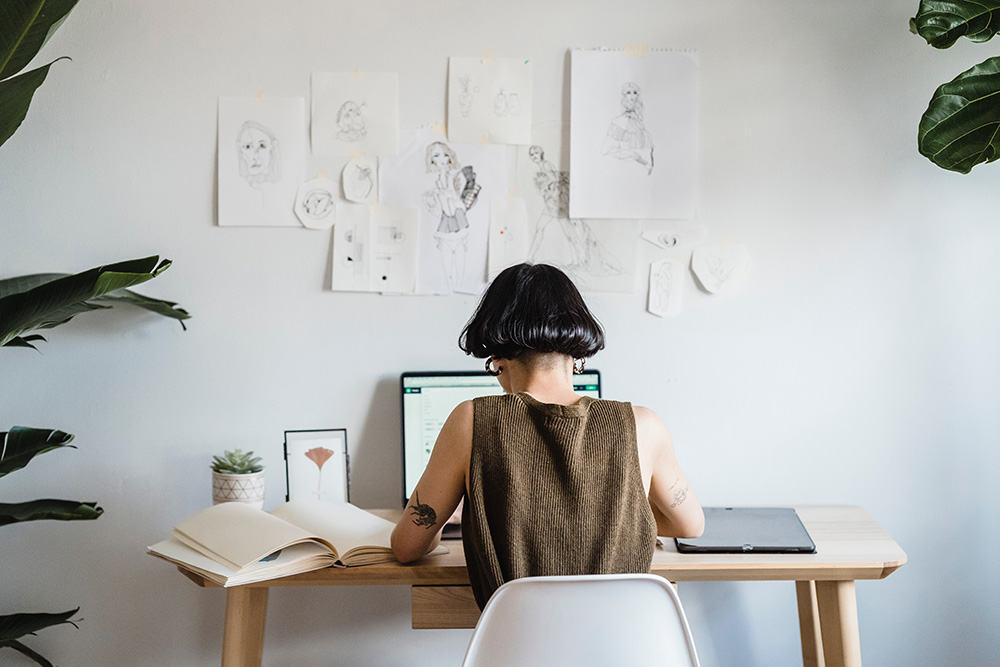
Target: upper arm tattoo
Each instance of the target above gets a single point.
(679, 494)
(423, 515)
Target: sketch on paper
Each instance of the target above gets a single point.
(259, 159)
(665, 287)
(597, 254)
(351, 122)
(507, 104)
(677, 237)
(394, 250)
(315, 203)
(452, 186)
(586, 255)
(374, 251)
(355, 112)
(468, 90)
(260, 156)
(627, 138)
(489, 100)
(454, 192)
(359, 179)
(633, 138)
(349, 268)
(721, 267)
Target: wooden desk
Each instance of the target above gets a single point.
(850, 545)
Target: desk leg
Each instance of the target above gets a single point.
(243, 635)
(809, 628)
(838, 617)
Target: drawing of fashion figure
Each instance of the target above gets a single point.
(585, 252)
(455, 191)
(627, 137)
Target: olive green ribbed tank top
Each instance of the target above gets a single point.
(553, 489)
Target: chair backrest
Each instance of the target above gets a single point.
(604, 619)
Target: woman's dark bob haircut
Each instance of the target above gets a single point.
(532, 308)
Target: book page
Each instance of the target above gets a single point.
(342, 524)
(302, 557)
(236, 534)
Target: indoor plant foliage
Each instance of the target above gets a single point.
(236, 462)
(25, 25)
(43, 301)
(961, 127)
(17, 447)
(237, 476)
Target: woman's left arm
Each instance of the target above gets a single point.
(439, 490)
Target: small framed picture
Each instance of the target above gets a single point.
(317, 465)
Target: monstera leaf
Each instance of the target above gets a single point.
(960, 127)
(25, 26)
(43, 301)
(15, 626)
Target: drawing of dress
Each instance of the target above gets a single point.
(627, 137)
(455, 191)
(585, 253)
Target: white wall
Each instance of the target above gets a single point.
(859, 365)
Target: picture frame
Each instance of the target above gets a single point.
(317, 465)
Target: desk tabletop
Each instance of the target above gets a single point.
(849, 545)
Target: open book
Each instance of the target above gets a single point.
(233, 543)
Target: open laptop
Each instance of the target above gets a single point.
(428, 397)
(776, 530)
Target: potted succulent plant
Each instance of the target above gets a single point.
(238, 476)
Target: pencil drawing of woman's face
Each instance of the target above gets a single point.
(630, 94)
(440, 157)
(536, 154)
(255, 150)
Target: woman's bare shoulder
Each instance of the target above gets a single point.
(646, 418)
(649, 428)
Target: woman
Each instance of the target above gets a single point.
(554, 483)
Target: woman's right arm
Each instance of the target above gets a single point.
(439, 490)
(675, 505)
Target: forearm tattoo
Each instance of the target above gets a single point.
(423, 515)
(679, 494)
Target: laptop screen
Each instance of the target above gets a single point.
(429, 397)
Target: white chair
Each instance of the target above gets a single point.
(603, 619)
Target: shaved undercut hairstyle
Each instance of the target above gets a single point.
(531, 308)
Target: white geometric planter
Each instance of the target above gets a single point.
(247, 488)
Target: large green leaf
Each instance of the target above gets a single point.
(15, 626)
(22, 444)
(159, 306)
(48, 509)
(25, 26)
(960, 127)
(56, 301)
(943, 22)
(15, 98)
